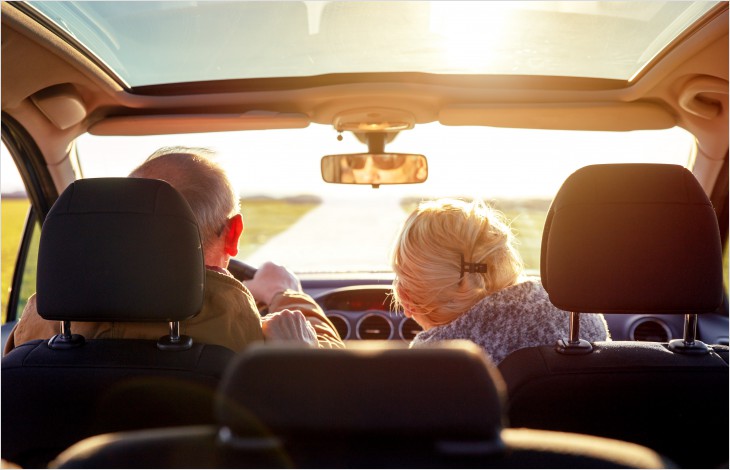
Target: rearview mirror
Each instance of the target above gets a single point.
(375, 168)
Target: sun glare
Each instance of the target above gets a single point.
(463, 161)
(471, 31)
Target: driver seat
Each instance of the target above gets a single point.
(111, 250)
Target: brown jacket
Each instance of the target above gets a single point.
(229, 318)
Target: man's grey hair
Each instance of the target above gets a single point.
(201, 181)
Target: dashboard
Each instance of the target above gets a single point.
(360, 308)
(359, 305)
(365, 312)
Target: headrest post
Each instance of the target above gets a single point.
(174, 341)
(690, 328)
(573, 344)
(66, 329)
(66, 339)
(574, 331)
(175, 331)
(689, 344)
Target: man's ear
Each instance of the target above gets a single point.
(234, 229)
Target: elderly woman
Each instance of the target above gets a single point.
(459, 276)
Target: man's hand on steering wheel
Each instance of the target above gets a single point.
(270, 280)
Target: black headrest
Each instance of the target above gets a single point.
(377, 388)
(630, 238)
(120, 249)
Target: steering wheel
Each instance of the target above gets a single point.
(241, 270)
(244, 272)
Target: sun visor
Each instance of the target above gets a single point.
(578, 116)
(195, 123)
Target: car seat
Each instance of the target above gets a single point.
(629, 239)
(111, 250)
(376, 404)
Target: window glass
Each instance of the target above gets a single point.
(14, 208)
(293, 217)
(27, 283)
(292, 39)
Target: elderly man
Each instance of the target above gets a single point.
(229, 316)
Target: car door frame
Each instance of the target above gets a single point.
(41, 191)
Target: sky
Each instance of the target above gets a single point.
(9, 179)
(463, 161)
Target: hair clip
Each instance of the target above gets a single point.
(471, 267)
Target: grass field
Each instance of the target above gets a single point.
(265, 218)
(14, 212)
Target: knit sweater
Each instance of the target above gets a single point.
(513, 318)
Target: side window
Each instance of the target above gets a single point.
(19, 241)
(27, 280)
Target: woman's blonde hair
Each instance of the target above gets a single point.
(201, 181)
(427, 258)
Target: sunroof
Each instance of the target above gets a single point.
(150, 43)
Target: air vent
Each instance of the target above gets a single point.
(409, 329)
(650, 330)
(343, 328)
(374, 327)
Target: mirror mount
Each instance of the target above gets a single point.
(376, 142)
(364, 137)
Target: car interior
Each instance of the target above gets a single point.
(600, 129)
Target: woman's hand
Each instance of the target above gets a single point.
(289, 325)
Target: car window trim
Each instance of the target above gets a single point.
(719, 199)
(41, 193)
(31, 166)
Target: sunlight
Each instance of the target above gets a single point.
(467, 161)
(472, 31)
(9, 178)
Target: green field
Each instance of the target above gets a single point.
(14, 212)
(265, 218)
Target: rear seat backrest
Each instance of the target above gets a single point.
(374, 405)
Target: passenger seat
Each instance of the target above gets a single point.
(629, 239)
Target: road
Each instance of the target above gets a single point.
(338, 235)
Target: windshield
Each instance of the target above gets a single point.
(293, 217)
(147, 43)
